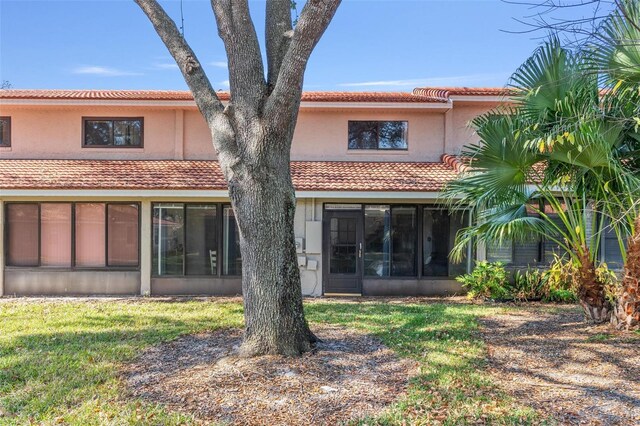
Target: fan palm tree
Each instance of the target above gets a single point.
(546, 164)
(615, 55)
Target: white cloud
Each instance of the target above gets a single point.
(461, 80)
(166, 66)
(219, 64)
(102, 71)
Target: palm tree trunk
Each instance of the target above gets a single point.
(627, 310)
(591, 292)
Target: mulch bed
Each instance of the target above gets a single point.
(350, 375)
(578, 373)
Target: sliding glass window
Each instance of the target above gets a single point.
(439, 230)
(23, 234)
(201, 240)
(168, 239)
(186, 240)
(377, 241)
(232, 264)
(90, 235)
(55, 234)
(49, 234)
(390, 241)
(122, 234)
(458, 220)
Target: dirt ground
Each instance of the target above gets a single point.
(350, 375)
(550, 359)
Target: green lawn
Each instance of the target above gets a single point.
(59, 359)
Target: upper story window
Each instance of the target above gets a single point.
(383, 135)
(113, 132)
(5, 131)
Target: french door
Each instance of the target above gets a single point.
(343, 252)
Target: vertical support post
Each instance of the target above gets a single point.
(448, 132)
(145, 249)
(2, 247)
(470, 249)
(179, 135)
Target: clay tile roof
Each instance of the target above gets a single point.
(469, 91)
(172, 95)
(114, 95)
(206, 175)
(457, 163)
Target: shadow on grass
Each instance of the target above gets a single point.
(62, 356)
(62, 359)
(452, 386)
(598, 371)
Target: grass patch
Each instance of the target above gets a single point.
(59, 360)
(600, 337)
(452, 387)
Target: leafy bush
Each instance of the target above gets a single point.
(487, 280)
(560, 282)
(611, 281)
(557, 284)
(528, 286)
(561, 296)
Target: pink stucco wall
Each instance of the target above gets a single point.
(54, 132)
(462, 133)
(322, 135)
(50, 132)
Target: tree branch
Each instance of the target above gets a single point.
(278, 36)
(313, 22)
(203, 93)
(246, 70)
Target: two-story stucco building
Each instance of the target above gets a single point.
(119, 192)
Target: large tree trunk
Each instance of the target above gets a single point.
(627, 310)
(263, 198)
(252, 136)
(591, 292)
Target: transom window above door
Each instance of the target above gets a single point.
(378, 135)
(112, 132)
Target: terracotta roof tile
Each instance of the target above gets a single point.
(206, 175)
(465, 91)
(166, 95)
(459, 164)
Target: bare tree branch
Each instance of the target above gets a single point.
(203, 93)
(574, 30)
(246, 70)
(186, 59)
(278, 35)
(314, 20)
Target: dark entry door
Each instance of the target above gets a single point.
(343, 252)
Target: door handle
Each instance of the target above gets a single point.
(360, 251)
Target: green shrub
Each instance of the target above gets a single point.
(561, 296)
(560, 283)
(487, 280)
(528, 286)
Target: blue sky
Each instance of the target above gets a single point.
(370, 45)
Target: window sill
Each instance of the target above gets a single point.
(70, 269)
(414, 278)
(114, 148)
(377, 152)
(160, 277)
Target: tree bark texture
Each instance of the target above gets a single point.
(252, 136)
(626, 313)
(264, 202)
(591, 293)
